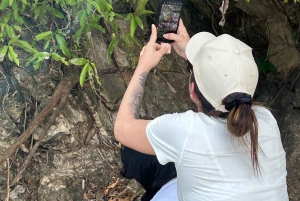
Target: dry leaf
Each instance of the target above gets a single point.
(223, 10)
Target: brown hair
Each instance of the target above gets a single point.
(241, 119)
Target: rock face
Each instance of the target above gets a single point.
(79, 157)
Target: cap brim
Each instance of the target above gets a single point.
(195, 44)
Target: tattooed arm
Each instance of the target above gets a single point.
(129, 130)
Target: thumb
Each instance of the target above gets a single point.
(165, 47)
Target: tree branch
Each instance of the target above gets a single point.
(62, 102)
(63, 87)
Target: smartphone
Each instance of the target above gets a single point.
(167, 19)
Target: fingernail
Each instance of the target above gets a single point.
(166, 44)
(165, 35)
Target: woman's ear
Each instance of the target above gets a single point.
(192, 91)
(195, 98)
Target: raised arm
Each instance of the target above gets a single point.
(129, 130)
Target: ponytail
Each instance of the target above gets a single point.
(241, 120)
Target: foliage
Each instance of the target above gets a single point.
(285, 1)
(265, 66)
(135, 21)
(71, 24)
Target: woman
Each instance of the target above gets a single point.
(231, 152)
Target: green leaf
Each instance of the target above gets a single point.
(24, 2)
(119, 15)
(6, 17)
(13, 40)
(47, 43)
(78, 35)
(3, 52)
(63, 45)
(56, 13)
(10, 2)
(265, 66)
(146, 12)
(13, 56)
(3, 4)
(128, 16)
(56, 56)
(36, 65)
(111, 16)
(99, 27)
(96, 6)
(271, 67)
(112, 45)
(109, 7)
(79, 61)
(25, 46)
(82, 17)
(43, 35)
(83, 73)
(17, 28)
(103, 5)
(132, 26)
(88, 6)
(14, 5)
(18, 17)
(9, 31)
(139, 22)
(98, 79)
(114, 25)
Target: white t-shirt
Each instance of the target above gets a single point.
(213, 165)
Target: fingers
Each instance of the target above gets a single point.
(157, 46)
(181, 26)
(172, 36)
(165, 48)
(153, 36)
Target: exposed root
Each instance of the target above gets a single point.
(62, 89)
(212, 17)
(7, 182)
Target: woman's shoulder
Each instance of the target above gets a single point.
(262, 111)
(263, 114)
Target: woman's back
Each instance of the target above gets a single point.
(214, 165)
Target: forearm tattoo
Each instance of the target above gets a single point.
(138, 95)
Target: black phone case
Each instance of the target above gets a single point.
(167, 2)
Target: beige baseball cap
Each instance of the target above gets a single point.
(222, 65)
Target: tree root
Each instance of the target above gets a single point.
(55, 103)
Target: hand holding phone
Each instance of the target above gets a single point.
(167, 19)
(181, 39)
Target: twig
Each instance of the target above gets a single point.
(7, 89)
(276, 96)
(8, 189)
(123, 192)
(105, 159)
(64, 87)
(41, 137)
(162, 77)
(98, 123)
(293, 83)
(269, 40)
(212, 17)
